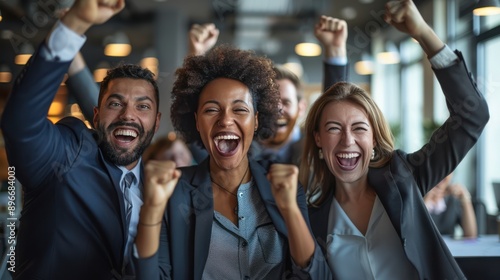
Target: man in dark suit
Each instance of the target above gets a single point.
(81, 205)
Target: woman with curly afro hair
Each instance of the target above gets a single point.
(229, 217)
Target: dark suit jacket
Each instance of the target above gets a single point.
(401, 184)
(72, 224)
(185, 236)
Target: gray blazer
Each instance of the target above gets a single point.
(401, 183)
(187, 227)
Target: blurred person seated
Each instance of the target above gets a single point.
(449, 205)
(169, 147)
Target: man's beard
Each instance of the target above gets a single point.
(281, 138)
(120, 156)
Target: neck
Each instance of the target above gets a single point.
(231, 179)
(353, 191)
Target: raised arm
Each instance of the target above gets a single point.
(161, 177)
(32, 142)
(468, 109)
(82, 86)
(332, 34)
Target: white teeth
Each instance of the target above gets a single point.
(281, 122)
(226, 137)
(348, 155)
(126, 132)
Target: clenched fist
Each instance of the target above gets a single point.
(161, 177)
(284, 180)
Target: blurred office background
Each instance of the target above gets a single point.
(401, 81)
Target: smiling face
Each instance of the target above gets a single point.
(126, 120)
(226, 121)
(291, 111)
(346, 137)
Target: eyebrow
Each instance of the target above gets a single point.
(120, 97)
(339, 124)
(218, 103)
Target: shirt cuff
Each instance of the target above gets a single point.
(63, 43)
(338, 60)
(444, 58)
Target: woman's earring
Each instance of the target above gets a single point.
(373, 154)
(320, 153)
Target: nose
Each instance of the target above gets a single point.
(127, 113)
(347, 138)
(225, 120)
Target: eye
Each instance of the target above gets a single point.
(241, 110)
(114, 104)
(333, 129)
(144, 107)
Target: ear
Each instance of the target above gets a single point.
(317, 139)
(196, 121)
(96, 116)
(157, 123)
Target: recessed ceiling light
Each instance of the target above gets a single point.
(366, 1)
(349, 13)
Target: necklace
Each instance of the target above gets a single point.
(241, 181)
(235, 195)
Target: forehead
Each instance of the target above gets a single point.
(224, 90)
(287, 89)
(344, 111)
(128, 87)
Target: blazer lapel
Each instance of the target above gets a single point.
(264, 187)
(386, 188)
(203, 206)
(318, 218)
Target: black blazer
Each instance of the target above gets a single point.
(401, 184)
(72, 224)
(187, 227)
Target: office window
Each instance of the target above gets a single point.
(490, 86)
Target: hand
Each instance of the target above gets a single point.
(284, 180)
(202, 38)
(161, 177)
(405, 16)
(459, 192)
(85, 13)
(332, 33)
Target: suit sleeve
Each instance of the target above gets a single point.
(32, 142)
(333, 74)
(86, 92)
(451, 142)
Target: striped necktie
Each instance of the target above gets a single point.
(128, 180)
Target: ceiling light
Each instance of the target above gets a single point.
(25, 52)
(5, 74)
(101, 71)
(117, 45)
(390, 55)
(487, 8)
(365, 66)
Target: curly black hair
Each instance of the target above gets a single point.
(224, 61)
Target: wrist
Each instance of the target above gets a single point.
(151, 215)
(465, 198)
(332, 52)
(76, 24)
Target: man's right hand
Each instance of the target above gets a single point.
(85, 13)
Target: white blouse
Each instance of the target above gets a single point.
(378, 255)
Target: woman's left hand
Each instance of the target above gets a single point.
(284, 180)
